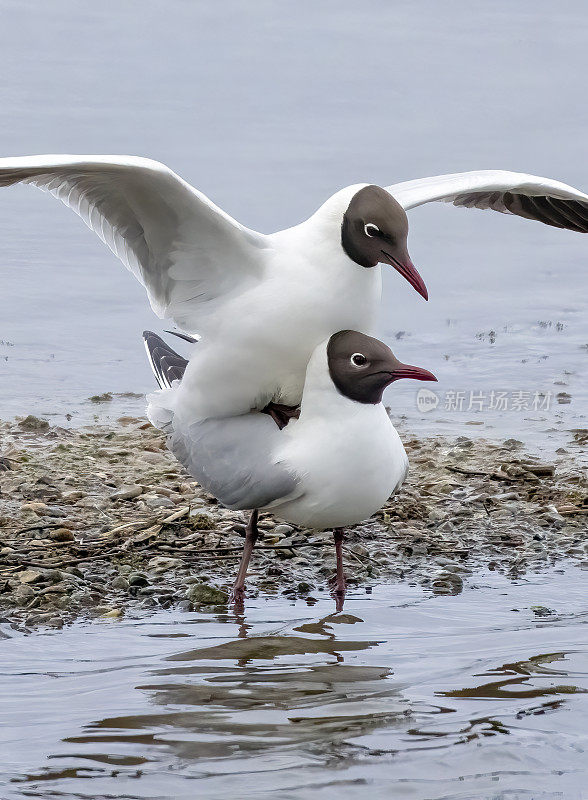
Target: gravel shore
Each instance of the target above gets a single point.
(102, 521)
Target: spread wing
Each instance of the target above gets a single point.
(183, 249)
(232, 458)
(528, 196)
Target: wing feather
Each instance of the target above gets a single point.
(183, 249)
(528, 196)
(232, 458)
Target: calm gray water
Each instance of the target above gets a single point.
(481, 696)
(269, 108)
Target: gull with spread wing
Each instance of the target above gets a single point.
(262, 303)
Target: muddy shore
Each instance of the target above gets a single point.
(102, 521)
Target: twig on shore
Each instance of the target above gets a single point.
(149, 523)
(471, 472)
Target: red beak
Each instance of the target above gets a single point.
(407, 371)
(408, 270)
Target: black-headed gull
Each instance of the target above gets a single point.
(334, 466)
(263, 302)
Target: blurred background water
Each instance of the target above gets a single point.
(269, 108)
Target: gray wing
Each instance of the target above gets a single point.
(232, 458)
(529, 196)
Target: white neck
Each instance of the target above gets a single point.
(320, 395)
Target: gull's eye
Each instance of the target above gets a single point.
(358, 359)
(371, 229)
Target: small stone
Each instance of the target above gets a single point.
(159, 502)
(147, 591)
(127, 492)
(72, 496)
(40, 509)
(202, 594)
(62, 535)
(29, 576)
(447, 583)
(282, 530)
(54, 575)
(120, 583)
(112, 613)
(23, 594)
(32, 423)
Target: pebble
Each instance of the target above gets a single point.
(119, 583)
(203, 594)
(110, 613)
(447, 583)
(30, 576)
(37, 508)
(159, 502)
(23, 594)
(61, 535)
(127, 492)
(72, 496)
(282, 530)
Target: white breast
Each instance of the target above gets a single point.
(350, 464)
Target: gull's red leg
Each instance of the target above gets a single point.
(340, 586)
(251, 535)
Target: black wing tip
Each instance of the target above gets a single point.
(185, 336)
(167, 365)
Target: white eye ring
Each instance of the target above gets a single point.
(370, 229)
(358, 360)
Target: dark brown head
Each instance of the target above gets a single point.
(375, 229)
(361, 367)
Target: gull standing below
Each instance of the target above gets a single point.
(334, 466)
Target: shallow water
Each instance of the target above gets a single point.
(404, 694)
(269, 112)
